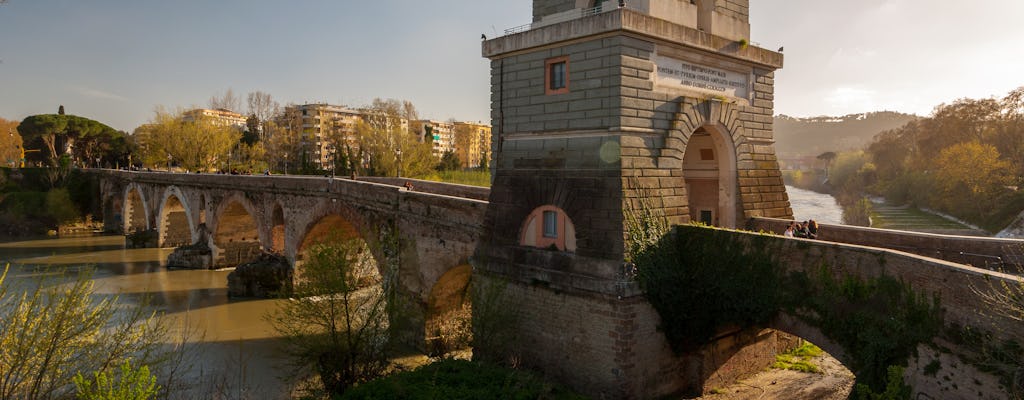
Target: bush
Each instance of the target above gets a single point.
(460, 379)
(134, 383)
(49, 332)
(25, 204)
(60, 207)
(337, 323)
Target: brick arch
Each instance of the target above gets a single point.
(134, 199)
(236, 236)
(332, 215)
(175, 219)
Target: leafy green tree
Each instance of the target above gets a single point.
(83, 138)
(133, 383)
(387, 144)
(337, 321)
(969, 176)
(195, 144)
(449, 162)
(50, 331)
(49, 130)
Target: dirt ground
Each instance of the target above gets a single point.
(834, 383)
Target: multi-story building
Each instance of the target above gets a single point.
(442, 135)
(325, 127)
(218, 116)
(478, 147)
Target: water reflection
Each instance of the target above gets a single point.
(231, 339)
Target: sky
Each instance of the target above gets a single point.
(116, 61)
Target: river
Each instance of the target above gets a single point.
(820, 207)
(233, 350)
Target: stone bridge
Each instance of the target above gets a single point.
(588, 323)
(238, 217)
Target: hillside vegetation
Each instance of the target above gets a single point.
(796, 137)
(965, 160)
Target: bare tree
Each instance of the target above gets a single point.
(227, 101)
(263, 107)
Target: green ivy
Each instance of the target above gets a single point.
(704, 281)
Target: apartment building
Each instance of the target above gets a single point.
(323, 126)
(478, 147)
(218, 116)
(442, 135)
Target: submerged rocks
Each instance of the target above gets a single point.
(142, 239)
(193, 256)
(269, 276)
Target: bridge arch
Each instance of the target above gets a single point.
(710, 174)
(277, 229)
(136, 210)
(448, 311)
(235, 232)
(175, 222)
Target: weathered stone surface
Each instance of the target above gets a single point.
(268, 276)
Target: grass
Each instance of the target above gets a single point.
(909, 218)
(460, 379)
(799, 359)
(471, 177)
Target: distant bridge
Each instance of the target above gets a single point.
(240, 216)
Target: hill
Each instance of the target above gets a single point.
(801, 137)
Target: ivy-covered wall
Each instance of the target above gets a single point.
(878, 306)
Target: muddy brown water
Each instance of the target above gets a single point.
(233, 350)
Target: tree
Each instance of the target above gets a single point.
(194, 145)
(49, 130)
(827, 157)
(449, 162)
(10, 143)
(969, 176)
(83, 138)
(465, 139)
(51, 331)
(386, 143)
(263, 108)
(336, 323)
(284, 138)
(226, 101)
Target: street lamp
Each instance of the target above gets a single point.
(399, 153)
(286, 163)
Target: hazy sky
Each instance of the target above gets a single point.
(114, 61)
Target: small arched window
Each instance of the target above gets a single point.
(548, 226)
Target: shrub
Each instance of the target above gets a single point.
(460, 379)
(60, 207)
(134, 383)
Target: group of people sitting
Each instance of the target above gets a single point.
(806, 229)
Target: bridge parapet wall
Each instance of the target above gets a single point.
(990, 253)
(447, 189)
(958, 288)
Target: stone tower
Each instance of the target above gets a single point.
(598, 106)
